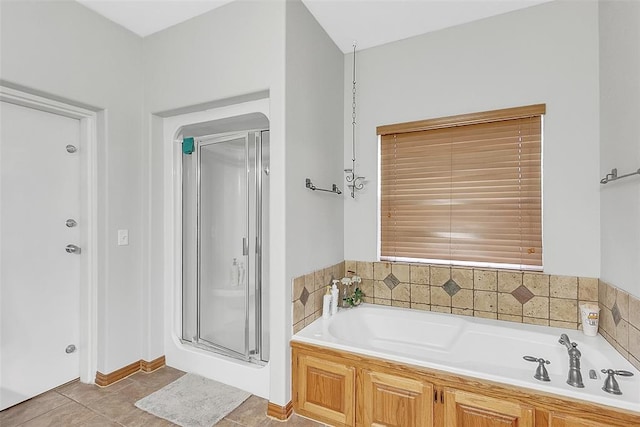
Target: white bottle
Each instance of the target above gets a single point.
(241, 274)
(234, 273)
(335, 295)
(326, 304)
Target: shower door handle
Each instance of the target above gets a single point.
(245, 247)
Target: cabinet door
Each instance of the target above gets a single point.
(325, 390)
(562, 420)
(463, 409)
(390, 400)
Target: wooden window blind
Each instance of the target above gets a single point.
(464, 189)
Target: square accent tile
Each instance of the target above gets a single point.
(451, 287)
(522, 294)
(615, 312)
(391, 281)
(304, 296)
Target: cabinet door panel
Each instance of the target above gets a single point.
(326, 389)
(464, 409)
(561, 420)
(390, 401)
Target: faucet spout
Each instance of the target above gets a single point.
(564, 340)
(575, 377)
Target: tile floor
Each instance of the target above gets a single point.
(77, 404)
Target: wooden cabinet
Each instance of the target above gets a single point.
(564, 420)
(396, 401)
(348, 390)
(463, 409)
(325, 390)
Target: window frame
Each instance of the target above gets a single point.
(534, 110)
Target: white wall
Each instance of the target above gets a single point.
(620, 142)
(65, 50)
(314, 117)
(229, 52)
(543, 54)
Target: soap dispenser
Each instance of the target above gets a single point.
(335, 295)
(326, 304)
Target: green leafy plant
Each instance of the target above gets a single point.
(355, 299)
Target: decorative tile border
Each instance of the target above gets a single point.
(620, 321)
(514, 296)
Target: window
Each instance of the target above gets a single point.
(464, 189)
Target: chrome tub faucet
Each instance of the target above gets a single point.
(575, 377)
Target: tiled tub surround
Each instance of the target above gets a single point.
(524, 297)
(308, 291)
(620, 321)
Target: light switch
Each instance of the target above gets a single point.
(123, 237)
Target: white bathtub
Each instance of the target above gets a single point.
(475, 347)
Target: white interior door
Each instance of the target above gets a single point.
(39, 279)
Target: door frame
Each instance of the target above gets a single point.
(88, 327)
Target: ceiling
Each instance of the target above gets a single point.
(367, 22)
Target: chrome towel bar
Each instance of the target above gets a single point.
(310, 186)
(613, 176)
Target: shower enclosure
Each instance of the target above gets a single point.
(225, 197)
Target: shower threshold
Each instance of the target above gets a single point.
(253, 358)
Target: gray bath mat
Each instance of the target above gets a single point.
(193, 401)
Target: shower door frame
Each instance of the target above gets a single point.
(253, 355)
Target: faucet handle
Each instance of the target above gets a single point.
(535, 359)
(622, 373)
(541, 371)
(610, 384)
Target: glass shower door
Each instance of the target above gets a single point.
(223, 244)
